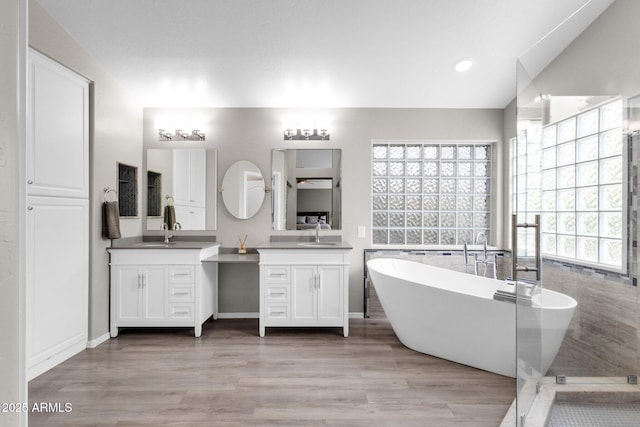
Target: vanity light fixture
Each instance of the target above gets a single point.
(542, 97)
(306, 134)
(180, 135)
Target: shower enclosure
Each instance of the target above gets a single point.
(574, 165)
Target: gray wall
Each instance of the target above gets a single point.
(12, 73)
(116, 136)
(251, 133)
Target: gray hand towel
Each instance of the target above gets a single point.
(169, 216)
(110, 220)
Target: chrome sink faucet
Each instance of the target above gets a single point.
(167, 236)
(318, 233)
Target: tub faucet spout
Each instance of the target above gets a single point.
(484, 244)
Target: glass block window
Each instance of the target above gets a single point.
(433, 193)
(573, 174)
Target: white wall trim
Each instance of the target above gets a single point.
(97, 341)
(352, 315)
(238, 315)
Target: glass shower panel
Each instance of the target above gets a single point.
(588, 184)
(575, 165)
(529, 199)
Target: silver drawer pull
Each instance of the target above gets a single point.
(276, 274)
(180, 293)
(277, 313)
(180, 274)
(181, 313)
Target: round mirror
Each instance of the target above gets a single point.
(243, 189)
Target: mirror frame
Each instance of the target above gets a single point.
(287, 166)
(211, 190)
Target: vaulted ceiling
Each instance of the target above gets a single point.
(320, 53)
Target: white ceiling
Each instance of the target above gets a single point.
(319, 53)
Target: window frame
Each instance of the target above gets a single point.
(490, 179)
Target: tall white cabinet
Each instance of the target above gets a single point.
(189, 186)
(57, 223)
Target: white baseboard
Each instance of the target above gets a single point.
(96, 342)
(238, 315)
(352, 315)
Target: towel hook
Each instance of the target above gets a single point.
(170, 200)
(108, 190)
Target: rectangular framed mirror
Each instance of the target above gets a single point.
(306, 189)
(185, 178)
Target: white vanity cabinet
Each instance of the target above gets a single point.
(304, 288)
(162, 287)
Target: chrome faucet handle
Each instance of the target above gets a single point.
(177, 226)
(164, 226)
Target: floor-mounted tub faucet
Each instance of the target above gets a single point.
(485, 257)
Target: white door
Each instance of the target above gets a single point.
(303, 294)
(56, 276)
(58, 132)
(330, 304)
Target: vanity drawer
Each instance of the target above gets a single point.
(277, 274)
(276, 312)
(181, 311)
(181, 274)
(181, 292)
(276, 293)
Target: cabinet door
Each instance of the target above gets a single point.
(56, 274)
(191, 218)
(128, 282)
(198, 177)
(58, 132)
(330, 302)
(181, 177)
(303, 294)
(154, 293)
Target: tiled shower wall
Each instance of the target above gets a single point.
(604, 335)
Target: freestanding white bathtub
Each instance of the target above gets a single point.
(453, 315)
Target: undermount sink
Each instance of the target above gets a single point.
(317, 244)
(154, 244)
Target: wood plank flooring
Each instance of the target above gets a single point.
(292, 377)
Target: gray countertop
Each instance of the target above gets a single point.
(228, 258)
(304, 245)
(180, 244)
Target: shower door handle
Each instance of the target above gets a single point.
(514, 247)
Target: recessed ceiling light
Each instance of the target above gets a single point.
(463, 65)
